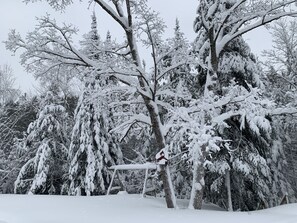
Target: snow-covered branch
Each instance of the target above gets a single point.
(251, 19)
(284, 111)
(118, 17)
(47, 46)
(125, 127)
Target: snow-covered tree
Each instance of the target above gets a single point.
(230, 72)
(14, 118)
(221, 21)
(179, 79)
(45, 147)
(281, 62)
(93, 149)
(50, 44)
(46, 71)
(8, 92)
(211, 148)
(281, 79)
(238, 67)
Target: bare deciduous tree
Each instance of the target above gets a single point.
(8, 92)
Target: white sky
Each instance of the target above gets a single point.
(19, 16)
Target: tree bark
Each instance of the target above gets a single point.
(155, 124)
(212, 79)
(167, 186)
(228, 186)
(164, 169)
(156, 127)
(197, 186)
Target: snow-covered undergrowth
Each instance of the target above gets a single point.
(126, 209)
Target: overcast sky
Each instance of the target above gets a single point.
(20, 16)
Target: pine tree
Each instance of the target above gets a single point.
(46, 148)
(92, 43)
(247, 151)
(93, 149)
(181, 81)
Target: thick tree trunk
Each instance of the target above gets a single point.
(164, 169)
(167, 185)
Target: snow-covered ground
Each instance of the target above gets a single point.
(125, 209)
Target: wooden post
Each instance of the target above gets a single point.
(111, 182)
(144, 184)
(285, 200)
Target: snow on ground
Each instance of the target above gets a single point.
(126, 209)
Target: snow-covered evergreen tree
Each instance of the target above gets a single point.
(246, 150)
(228, 71)
(181, 80)
(93, 149)
(46, 148)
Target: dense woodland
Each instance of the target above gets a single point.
(226, 119)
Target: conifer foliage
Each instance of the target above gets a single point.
(46, 148)
(92, 148)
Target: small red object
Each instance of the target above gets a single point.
(162, 157)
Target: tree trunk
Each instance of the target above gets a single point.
(212, 81)
(198, 185)
(164, 169)
(167, 186)
(155, 124)
(228, 186)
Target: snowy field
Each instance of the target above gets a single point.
(125, 209)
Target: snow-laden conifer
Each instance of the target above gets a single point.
(228, 69)
(93, 149)
(46, 148)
